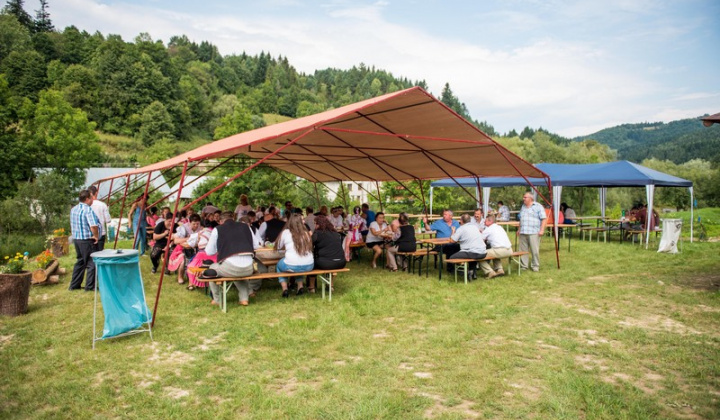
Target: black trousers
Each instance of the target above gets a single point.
(83, 249)
(448, 250)
(468, 255)
(101, 243)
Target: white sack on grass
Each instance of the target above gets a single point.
(670, 235)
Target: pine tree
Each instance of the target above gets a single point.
(42, 18)
(16, 8)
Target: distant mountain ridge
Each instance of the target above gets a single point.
(678, 141)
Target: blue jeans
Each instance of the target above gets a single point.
(281, 267)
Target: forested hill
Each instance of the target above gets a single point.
(165, 98)
(677, 141)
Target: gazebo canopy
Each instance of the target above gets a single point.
(405, 135)
(610, 174)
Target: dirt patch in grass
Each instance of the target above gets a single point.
(207, 342)
(658, 323)
(168, 357)
(705, 282)
(5, 340)
(290, 386)
(442, 407)
(176, 393)
(527, 391)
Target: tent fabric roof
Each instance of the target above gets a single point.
(611, 174)
(403, 135)
(711, 119)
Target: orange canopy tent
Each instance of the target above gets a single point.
(402, 136)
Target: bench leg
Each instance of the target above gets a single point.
(326, 281)
(225, 289)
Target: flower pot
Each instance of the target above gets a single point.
(59, 245)
(14, 293)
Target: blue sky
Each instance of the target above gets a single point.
(573, 67)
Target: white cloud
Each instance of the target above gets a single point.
(566, 86)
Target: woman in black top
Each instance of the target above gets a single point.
(405, 243)
(327, 248)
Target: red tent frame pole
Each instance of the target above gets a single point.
(167, 247)
(377, 187)
(109, 192)
(194, 180)
(422, 195)
(122, 209)
(290, 143)
(317, 196)
(480, 195)
(139, 187)
(295, 183)
(342, 188)
(147, 185)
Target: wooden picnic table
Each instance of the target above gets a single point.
(432, 242)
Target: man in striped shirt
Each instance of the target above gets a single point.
(532, 227)
(84, 226)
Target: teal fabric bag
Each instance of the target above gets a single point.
(121, 292)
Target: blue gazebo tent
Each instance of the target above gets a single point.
(600, 175)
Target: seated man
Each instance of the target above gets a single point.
(234, 245)
(271, 227)
(443, 229)
(471, 243)
(503, 212)
(478, 220)
(500, 247)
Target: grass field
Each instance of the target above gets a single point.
(618, 332)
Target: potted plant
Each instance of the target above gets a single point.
(14, 285)
(59, 243)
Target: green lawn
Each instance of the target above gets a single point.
(618, 332)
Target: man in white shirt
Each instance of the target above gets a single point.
(103, 214)
(478, 220)
(500, 247)
(471, 243)
(310, 218)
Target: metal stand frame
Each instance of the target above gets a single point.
(131, 332)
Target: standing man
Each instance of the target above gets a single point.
(532, 227)
(444, 228)
(84, 227)
(471, 243)
(369, 217)
(103, 215)
(500, 247)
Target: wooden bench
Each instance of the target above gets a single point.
(326, 276)
(604, 230)
(462, 263)
(418, 255)
(355, 245)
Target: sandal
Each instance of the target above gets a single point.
(191, 288)
(311, 290)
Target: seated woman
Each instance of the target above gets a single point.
(295, 240)
(327, 249)
(200, 241)
(378, 232)
(568, 213)
(183, 252)
(403, 243)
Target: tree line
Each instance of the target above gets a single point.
(62, 90)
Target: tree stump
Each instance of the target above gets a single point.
(59, 245)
